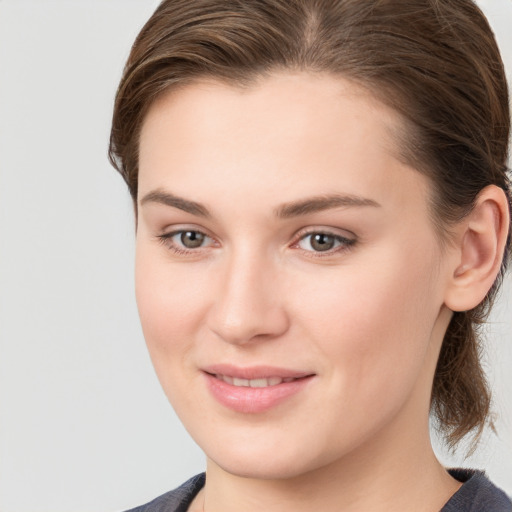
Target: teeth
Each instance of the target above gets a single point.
(253, 383)
(258, 383)
(225, 378)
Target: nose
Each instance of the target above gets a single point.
(248, 305)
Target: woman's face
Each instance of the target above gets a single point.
(289, 280)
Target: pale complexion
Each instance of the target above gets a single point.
(253, 174)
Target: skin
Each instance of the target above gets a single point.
(367, 318)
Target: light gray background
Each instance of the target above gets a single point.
(84, 425)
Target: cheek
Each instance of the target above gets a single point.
(373, 322)
(170, 301)
(169, 304)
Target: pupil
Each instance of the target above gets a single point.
(192, 239)
(322, 242)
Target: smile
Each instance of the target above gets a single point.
(253, 383)
(254, 390)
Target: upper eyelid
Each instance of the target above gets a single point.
(335, 232)
(183, 230)
(168, 231)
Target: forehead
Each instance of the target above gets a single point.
(281, 101)
(292, 131)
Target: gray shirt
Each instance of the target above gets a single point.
(477, 494)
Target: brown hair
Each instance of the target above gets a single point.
(436, 62)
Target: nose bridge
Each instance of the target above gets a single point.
(248, 304)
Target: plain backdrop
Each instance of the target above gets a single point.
(84, 425)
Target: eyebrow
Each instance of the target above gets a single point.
(168, 199)
(285, 211)
(320, 203)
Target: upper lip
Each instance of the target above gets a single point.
(255, 372)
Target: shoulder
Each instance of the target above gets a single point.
(477, 494)
(176, 500)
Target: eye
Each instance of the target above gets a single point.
(191, 239)
(324, 242)
(185, 240)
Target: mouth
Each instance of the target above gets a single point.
(254, 390)
(253, 383)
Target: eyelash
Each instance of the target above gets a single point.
(166, 240)
(344, 244)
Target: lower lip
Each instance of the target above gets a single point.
(253, 400)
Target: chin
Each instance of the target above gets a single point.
(262, 469)
(265, 461)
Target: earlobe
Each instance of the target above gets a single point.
(479, 250)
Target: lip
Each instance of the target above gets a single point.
(255, 372)
(253, 400)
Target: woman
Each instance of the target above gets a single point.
(322, 222)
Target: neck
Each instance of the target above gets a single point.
(367, 479)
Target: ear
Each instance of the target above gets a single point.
(478, 252)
